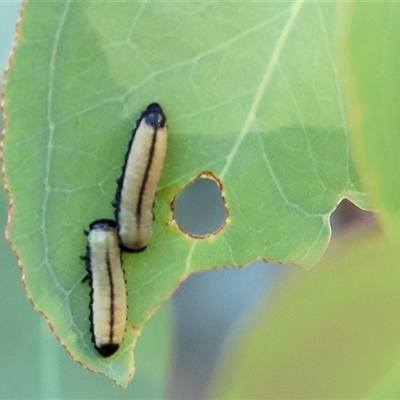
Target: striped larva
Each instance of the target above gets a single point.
(108, 293)
(138, 183)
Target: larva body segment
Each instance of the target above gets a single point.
(108, 305)
(137, 185)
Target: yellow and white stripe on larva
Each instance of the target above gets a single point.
(108, 293)
(137, 185)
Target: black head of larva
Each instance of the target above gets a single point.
(103, 224)
(107, 350)
(154, 116)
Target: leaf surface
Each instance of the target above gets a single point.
(251, 94)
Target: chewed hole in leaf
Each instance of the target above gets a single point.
(199, 208)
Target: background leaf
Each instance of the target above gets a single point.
(371, 54)
(330, 333)
(251, 94)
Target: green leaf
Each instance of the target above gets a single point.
(371, 53)
(331, 333)
(251, 94)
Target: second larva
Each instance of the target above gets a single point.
(108, 293)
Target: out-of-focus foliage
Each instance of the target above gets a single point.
(332, 332)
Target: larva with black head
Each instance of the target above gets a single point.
(108, 305)
(137, 185)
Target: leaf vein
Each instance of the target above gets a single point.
(264, 82)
